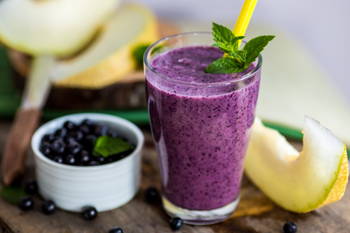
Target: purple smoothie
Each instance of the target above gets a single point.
(201, 125)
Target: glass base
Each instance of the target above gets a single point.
(200, 217)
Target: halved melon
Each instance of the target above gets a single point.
(298, 182)
(57, 27)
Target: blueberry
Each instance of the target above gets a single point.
(89, 213)
(87, 122)
(289, 227)
(101, 130)
(31, 187)
(85, 157)
(115, 230)
(78, 135)
(61, 132)
(93, 163)
(48, 138)
(112, 134)
(85, 129)
(151, 194)
(26, 203)
(48, 207)
(58, 146)
(70, 160)
(176, 223)
(101, 159)
(70, 139)
(90, 139)
(68, 125)
(58, 159)
(45, 148)
(74, 148)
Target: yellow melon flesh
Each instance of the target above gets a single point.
(109, 58)
(298, 182)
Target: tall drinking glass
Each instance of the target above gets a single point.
(201, 125)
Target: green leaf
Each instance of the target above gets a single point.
(106, 146)
(12, 194)
(236, 60)
(224, 65)
(222, 34)
(138, 53)
(254, 48)
(240, 55)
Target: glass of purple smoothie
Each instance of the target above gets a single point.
(201, 125)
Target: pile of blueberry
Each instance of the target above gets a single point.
(73, 144)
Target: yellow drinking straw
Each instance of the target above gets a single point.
(244, 18)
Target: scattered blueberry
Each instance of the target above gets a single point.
(48, 138)
(31, 187)
(151, 194)
(58, 146)
(26, 203)
(176, 223)
(48, 207)
(70, 160)
(69, 125)
(89, 213)
(289, 227)
(45, 148)
(115, 230)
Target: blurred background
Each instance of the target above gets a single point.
(319, 26)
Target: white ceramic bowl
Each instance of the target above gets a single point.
(103, 186)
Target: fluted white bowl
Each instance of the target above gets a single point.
(104, 187)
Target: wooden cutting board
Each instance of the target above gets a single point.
(255, 213)
(128, 93)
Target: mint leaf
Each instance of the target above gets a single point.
(236, 60)
(240, 55)
(12, 194)
(224, 65)
(222, 34)
(138, 53)
(254, 48)
(106, 146)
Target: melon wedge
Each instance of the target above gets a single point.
(298, 182)
(57, 27)
(109, 57)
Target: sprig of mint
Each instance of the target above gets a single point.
(236, 60)
(12, 194)
(107, 146)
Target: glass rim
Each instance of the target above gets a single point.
(195, 33)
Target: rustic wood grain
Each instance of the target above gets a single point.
(255, 213)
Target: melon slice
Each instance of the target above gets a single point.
(109, 57)
(298, 182)
(57, 27)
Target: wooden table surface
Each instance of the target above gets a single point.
(255, 213)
